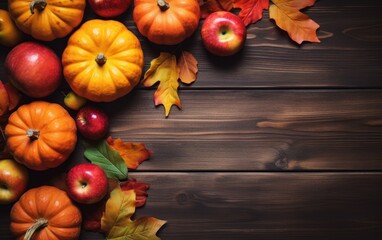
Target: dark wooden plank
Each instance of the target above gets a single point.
(261, 205)
(349, 55)
(255, 130)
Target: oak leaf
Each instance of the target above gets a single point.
(288, 17)
(209, 6)
(251, 11)
(188, 67)
(132, 153)
(165, 70)
(116, 221)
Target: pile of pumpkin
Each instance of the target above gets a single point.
(102, 62)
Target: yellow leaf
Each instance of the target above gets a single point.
(119, 208)
(116, 221)
(288, 17)
(164, 70)
(188, 67)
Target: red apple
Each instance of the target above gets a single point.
(109, 8)
(34, 69)
(223, 33)
(13, 180)
(92, 122)
(86, 183)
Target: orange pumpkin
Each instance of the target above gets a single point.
(166, 22)
(103, 60)
(43, 213)
(47, 19)
(41, 135)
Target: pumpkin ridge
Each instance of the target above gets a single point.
(111, 41)
(132, 80)
(54, 23)
(68, 12)
(21, 213)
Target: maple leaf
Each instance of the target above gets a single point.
(209, 6)
(132, 153)
(116, 221)
(251, 10)
(288, 17)
(165, 70)
(188, 67)
(140, 189)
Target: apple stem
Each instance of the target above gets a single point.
(37, 4)
(100, 59)
(39, 223)
(33, 133)
(163, 5)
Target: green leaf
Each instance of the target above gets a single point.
(107, 158)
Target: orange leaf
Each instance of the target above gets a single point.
(188, 67)
(288, 17)
(132, 153)
(210, 6)
(251, 10)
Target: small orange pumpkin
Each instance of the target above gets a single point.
(45, 212)
(166, 22)
(47, 19)
(41, 135)
(103, 60)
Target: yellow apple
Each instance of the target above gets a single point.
(73, 101)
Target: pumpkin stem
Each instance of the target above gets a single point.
(37, 4)
(100, 59)
(38, 224)
(163, 5)
(33, 133)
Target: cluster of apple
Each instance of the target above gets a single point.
(85, 183)
(35, 70)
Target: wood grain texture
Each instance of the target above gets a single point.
(264, 206)
(256, 130)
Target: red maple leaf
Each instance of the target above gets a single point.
(251, 10)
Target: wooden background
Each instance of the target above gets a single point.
(278, 142)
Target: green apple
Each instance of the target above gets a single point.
(13, 180)
(73, 101)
